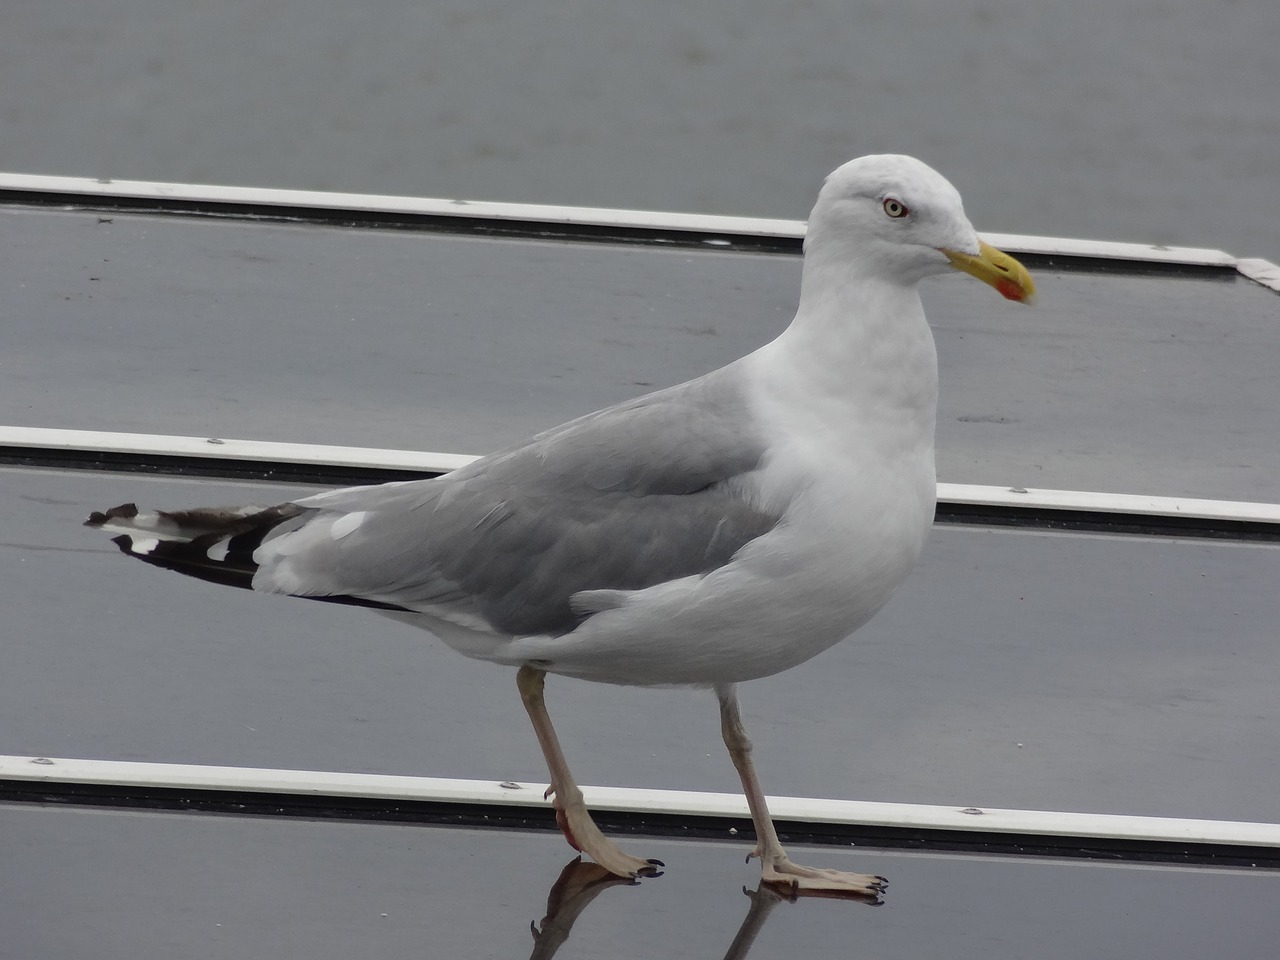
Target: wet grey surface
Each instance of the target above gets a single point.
(1154, 385)
(1117, 119)
(116, 886)
(1136, 676)
(1028, 670)
(1025, 670)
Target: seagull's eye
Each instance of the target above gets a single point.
(895, 208)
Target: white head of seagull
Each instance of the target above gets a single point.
(893, 219)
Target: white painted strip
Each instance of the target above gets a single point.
(1126, 503)
(1085, 826)
(564, 215)
(310, 454)
(379, 203)
(1261, 271)
(1110, 250)
(218, 448)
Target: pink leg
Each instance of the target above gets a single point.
(571, 813)
(776, 867)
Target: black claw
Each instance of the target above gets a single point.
(748, 860)
(656, 863)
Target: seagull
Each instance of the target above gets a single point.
(707, 534)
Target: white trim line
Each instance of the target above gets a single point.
(311, 454)
(1090, 502)
(1260, 271)
(217, 448)
(1085, 826)
(383, 203)
(1110, 250)
(564, 215)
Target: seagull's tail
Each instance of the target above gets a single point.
(214, 544)
(209, 543)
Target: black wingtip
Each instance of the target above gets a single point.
(125, 543)
(126, 511)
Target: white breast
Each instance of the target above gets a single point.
(850, 470)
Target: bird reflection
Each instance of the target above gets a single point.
(581, 881)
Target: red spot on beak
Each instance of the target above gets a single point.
(1010, 290)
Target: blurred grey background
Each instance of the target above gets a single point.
(1110, 119)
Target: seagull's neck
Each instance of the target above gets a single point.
(860, 337)
(846, 398)
(851, 306)
(854, 377)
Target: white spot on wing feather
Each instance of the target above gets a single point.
(347, 524)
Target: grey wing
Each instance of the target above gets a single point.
(649, 491)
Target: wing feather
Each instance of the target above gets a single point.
(635, 495)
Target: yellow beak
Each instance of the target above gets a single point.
(998, 269)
